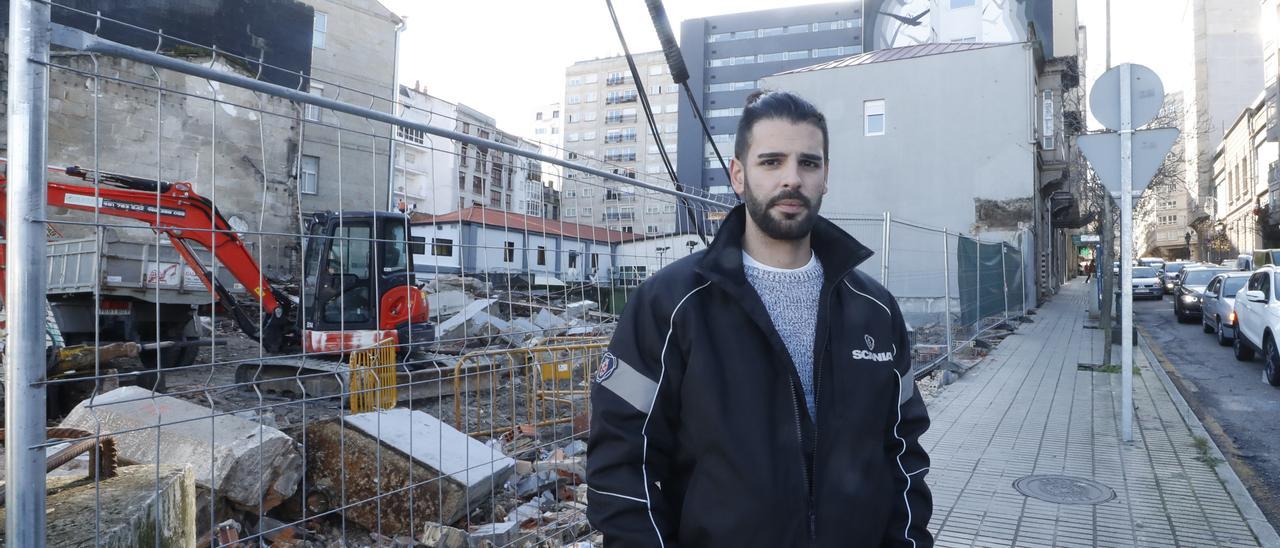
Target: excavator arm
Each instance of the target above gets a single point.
(186, 218)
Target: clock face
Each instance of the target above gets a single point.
(905, 23)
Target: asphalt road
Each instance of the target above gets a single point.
(1238, 408)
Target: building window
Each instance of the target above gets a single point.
(724, 112)
(509, 252)
(589, 117)
(961, 4)
(570, 212)
(542, 256)
(655, 70)
(595, 261)
(462, 158)
(442, 247)
(555, 114)
(873, 117)
(319, 27)
(590, 78)
(538, 117)
(1047, 140)
(411, 135)
(573, 259)
(462, 183)
(312, 112)
(651, 229)
(591, 97)
(309, 177)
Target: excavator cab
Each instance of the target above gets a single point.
(358, 272)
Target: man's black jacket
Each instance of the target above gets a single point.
(699, 432)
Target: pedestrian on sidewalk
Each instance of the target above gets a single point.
(1088, 271)
(760, 392)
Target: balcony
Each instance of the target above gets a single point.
(629, 119)
(606, 217)
(625, 138)
(620, 157)
(616, 80)
(615, 99)
(621, 197)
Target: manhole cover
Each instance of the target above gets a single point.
(1064, 489)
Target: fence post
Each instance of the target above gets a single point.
(946, 287)
(977, 286)
(1004, 279)
(25, 284)
(884, 262)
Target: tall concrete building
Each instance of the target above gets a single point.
(548, 132)
(1240, 186)
(353, 59)
(425, 167)
(493, 179)
(1271, 79)
(605, 127)
(1162, 217)
(1228, 75)
(727, 55)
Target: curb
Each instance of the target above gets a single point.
(1262, 529)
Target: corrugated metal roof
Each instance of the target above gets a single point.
(516, 222)
(895, 54)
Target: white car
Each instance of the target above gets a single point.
(1217, 309)
(1258, 322)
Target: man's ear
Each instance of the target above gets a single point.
(737, 174)
(826, 176)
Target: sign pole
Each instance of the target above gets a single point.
(1126, 254)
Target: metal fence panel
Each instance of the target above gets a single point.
(278, 346)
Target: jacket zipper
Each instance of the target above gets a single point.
(817, 400)
(804, 470)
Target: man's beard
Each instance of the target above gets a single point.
(792, 226)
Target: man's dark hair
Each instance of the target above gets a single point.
(766, 105)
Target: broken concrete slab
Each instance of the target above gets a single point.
(128, 510)
(402, 463)
(565, 466)
(448, 302)
(551, 324)
(580, 309)
(460, 324)
(519, 331)
(435, 535)
(503, 533)
(247, 463)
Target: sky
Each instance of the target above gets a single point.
(506, 58)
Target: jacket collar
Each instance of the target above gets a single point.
(836, 249)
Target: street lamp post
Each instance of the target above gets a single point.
(1187, 238)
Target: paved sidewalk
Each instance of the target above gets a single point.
(1027, 409)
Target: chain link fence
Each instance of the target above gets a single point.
(219, 336)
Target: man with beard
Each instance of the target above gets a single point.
(759, 393)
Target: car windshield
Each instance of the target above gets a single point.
(1232, 285)
(1199, 277)
(1144, 272)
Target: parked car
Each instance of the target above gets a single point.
(1171, 273)
(1146, 283)
(1153, 262)
(1186, 298)
(1264, 257)
(1258, 321)
(1218, 315)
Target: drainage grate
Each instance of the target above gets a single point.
(1064, 489)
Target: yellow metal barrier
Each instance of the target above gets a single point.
(373, 377)
(546, 368)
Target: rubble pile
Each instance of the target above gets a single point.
(272, 467)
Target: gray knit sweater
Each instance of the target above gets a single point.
(791, 297)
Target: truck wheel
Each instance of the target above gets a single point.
(176, 356)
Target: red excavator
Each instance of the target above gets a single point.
(358, 272)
